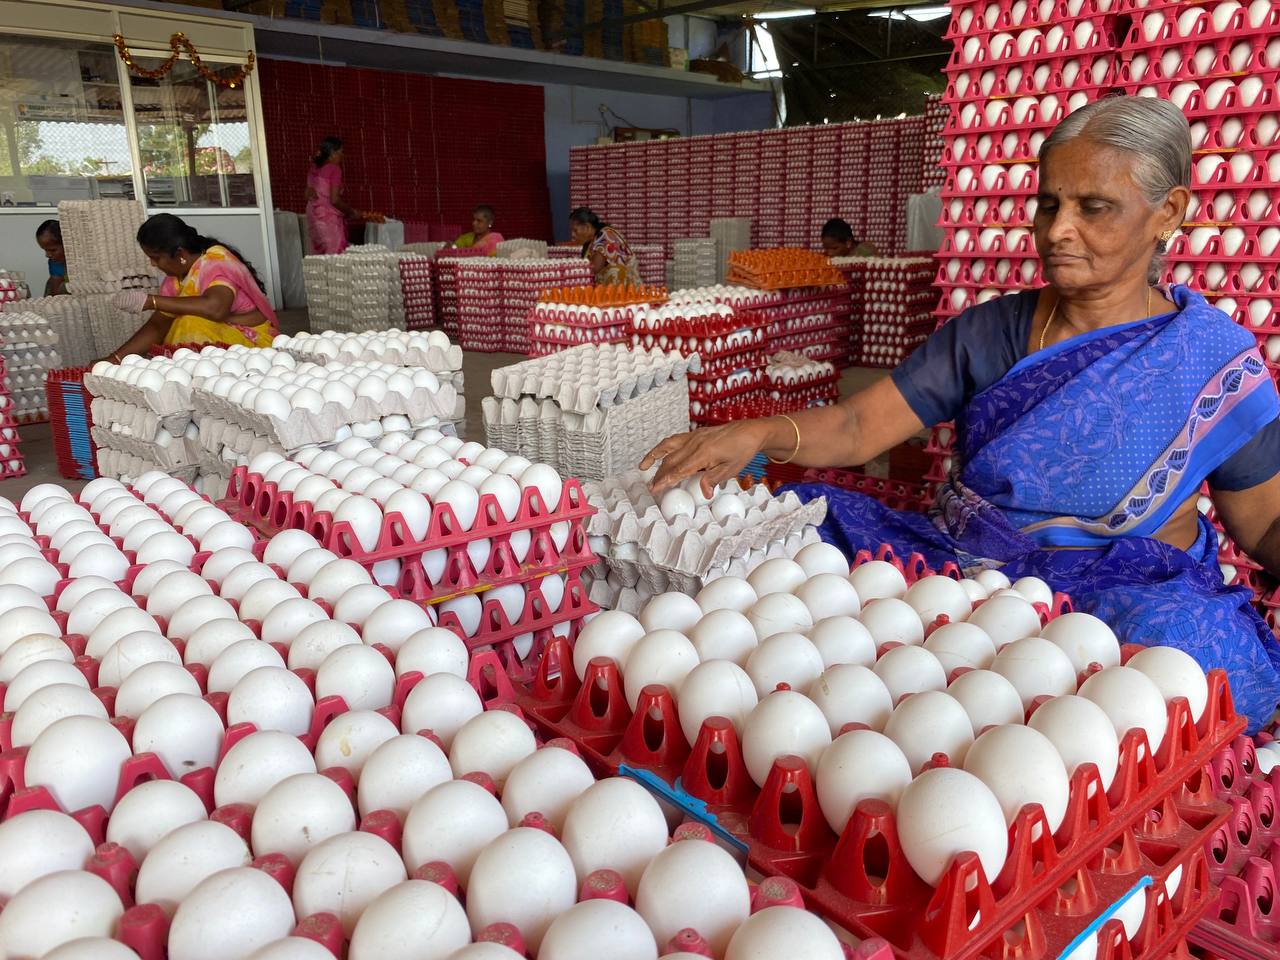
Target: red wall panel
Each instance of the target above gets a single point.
(417, 148)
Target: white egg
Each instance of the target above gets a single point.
(779, 613)
(286, 546)
(1084, 639)
(546, 480)
(909, 669)
(183, 730)
(783, 932)
(662, 657)
(1020, 766)
(715, 688)
(592, 836)
(779, 575)
(934, 597)
(727, 593)
(670, 611)
(213, 638)
(344, 874)
(365, 518)
(414, 920)
(271, 698)
(784, 722)
(944, 812)
(258, 902)
(722, 634)
(256, 764)
(1005, 618)
(29, 928)
(1036, 668)
(452, 823)
(876, 579)
(186, 857)
(1081, 733)
(524, 878)
(819, 558)
(357, 673)
(577, 933)
(1175, 674)
(37, 843)
(1131, 700)
(893, 621)
(151, 811)
(829, 595)
(349, 739)
(441, 703)
(988, 698)
(959, 645)
(783, 658)
(928, 723)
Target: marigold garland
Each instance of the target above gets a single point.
(177, 43)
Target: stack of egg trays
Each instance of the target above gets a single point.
(101, 240)
(69, 318)
(1149, 836)
(603, 443)
(1245, 922)
(262, 506)
(70, 421)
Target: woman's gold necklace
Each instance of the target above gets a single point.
(1054, 312)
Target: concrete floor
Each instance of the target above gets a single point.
(36, 441)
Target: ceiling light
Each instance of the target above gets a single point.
(784, 14)
(919, 14)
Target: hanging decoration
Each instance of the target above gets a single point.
(178, 43)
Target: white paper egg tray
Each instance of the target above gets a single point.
(172, 399)
(371, 346)
(692, 550)
(177, 454)
(108, 326)
(359, 289)
(591, 376)
(520, 248)
(100, 238)
(141, 421)
(68, 316)
(126, 467)
(303, 427)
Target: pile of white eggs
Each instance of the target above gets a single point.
(787, 369)
(857, 648)
(730, 295)
(198, 872)
(585, 376)
(424, 348)
(359, 484)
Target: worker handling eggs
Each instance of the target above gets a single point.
(1088, 414)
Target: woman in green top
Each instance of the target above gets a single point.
(482, 236)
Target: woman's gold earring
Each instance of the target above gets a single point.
(1166, 237)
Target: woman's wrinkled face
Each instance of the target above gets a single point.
(1093, 226)
(481, 224)
(581, 233)
(170, 264)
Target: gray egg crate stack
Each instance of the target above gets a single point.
(100, 238)
(730, 234)
(69, 319)
(426, 350)
(695, 263)
(141, 428)
(590, 411)
(30, 350)
(643, 554)
(356, 290)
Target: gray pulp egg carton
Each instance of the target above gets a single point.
(68, 316)
(134, 420)
(170, 453)
(591, 411)
(685, 554)
(303, 427)
(171, 400)
(127, 467)
(436, 359)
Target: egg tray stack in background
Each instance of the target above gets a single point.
(494, 298)
(1013, 77)
(795, 382)
(13, 287)
(12, 463)
(418, 292)
(30, 348)
(696, 263)
(522, 248)
(555, 326)
(730, 234)
(695, 704)
(591, 411)
(358, 289)
(645, 551)
(69, 318)
(100, 238)
(712, 324)
(897, 300)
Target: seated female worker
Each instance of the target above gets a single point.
(210, 293)
(1088, 415)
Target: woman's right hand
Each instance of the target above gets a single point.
(719, 453)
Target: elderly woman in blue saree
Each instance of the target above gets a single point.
(1088, 416)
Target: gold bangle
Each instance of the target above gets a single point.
(794, 452)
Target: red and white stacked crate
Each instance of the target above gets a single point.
(419, 297)
(932, 173)
(495, 298)
(797, 211)
(11, 460)
(891, 306)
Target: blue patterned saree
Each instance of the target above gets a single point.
(1092, 445)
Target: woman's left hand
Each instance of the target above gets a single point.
(131, 301)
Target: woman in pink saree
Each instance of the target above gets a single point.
(210, 293)
(327, 212)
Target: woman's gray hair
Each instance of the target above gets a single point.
(1154, 132)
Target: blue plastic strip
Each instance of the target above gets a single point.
(1093, 928)
(681, 798)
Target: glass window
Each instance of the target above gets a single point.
(62, 130)
(193, 138)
